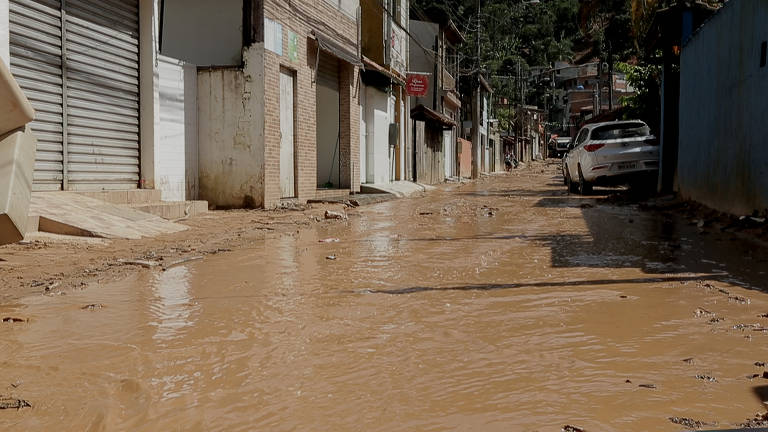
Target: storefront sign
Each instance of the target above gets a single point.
(417, 84)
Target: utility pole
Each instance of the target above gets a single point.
(476, 117)
(610, 76)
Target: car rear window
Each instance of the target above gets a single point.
(621, 130)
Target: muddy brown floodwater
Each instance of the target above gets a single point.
(503, 305)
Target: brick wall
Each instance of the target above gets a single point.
(301, 17)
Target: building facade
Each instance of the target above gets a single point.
(384, 103)
(262, 106)
(433, 53)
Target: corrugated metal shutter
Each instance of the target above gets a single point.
(35, 47)
(87, 106)
(328, 71)
(102, 93)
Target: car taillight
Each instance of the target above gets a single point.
(593, 147)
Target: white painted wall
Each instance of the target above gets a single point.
(149, 90)
(176, 150)
(191, 147)
(377, 136)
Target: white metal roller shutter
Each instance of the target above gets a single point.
(35, 48)
(102, 87)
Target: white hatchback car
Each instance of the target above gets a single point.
(609, 154)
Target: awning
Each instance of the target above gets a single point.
(371, 65)
(422, 113)
(331, 47)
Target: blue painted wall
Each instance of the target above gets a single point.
(723, 160)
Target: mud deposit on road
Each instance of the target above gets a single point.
(503, 305)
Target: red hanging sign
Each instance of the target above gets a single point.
(417, 85)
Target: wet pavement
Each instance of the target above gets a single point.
(503, 305)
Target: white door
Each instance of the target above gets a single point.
(448, 152)
(287, 170)
(363, 136)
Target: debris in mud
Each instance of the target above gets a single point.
(627, 381)
(489, 211)
(706, 285)
(570, 428)
(765, 374)
(738, 299)
(220, 250)
(181, 261)
(648, 386)
(623, 296)
(753, 376)
(715, 320)
(330, 240)
(14, 320)
(759, 420)
(765, 315)
(689, 422)
(760, 364)
(426, 213)
(747, 326)
(335, 215)
(700, 312)
(724, 291)
(331, 257)
(92, 306)
(13, 403)
(705, 377)
(142, 263)
(688, 360)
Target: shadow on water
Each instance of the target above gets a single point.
(494, 287)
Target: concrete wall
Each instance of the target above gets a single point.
(231, 133)
(723, 153)
(465, 158)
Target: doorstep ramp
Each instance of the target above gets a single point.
(400, 188)
(70, 213)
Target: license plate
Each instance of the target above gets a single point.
(628, 166)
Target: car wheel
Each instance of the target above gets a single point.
(585, 188)
(569, 181)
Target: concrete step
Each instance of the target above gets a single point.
(173, 210)
(126, 197)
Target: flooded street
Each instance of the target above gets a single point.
(502, 305)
